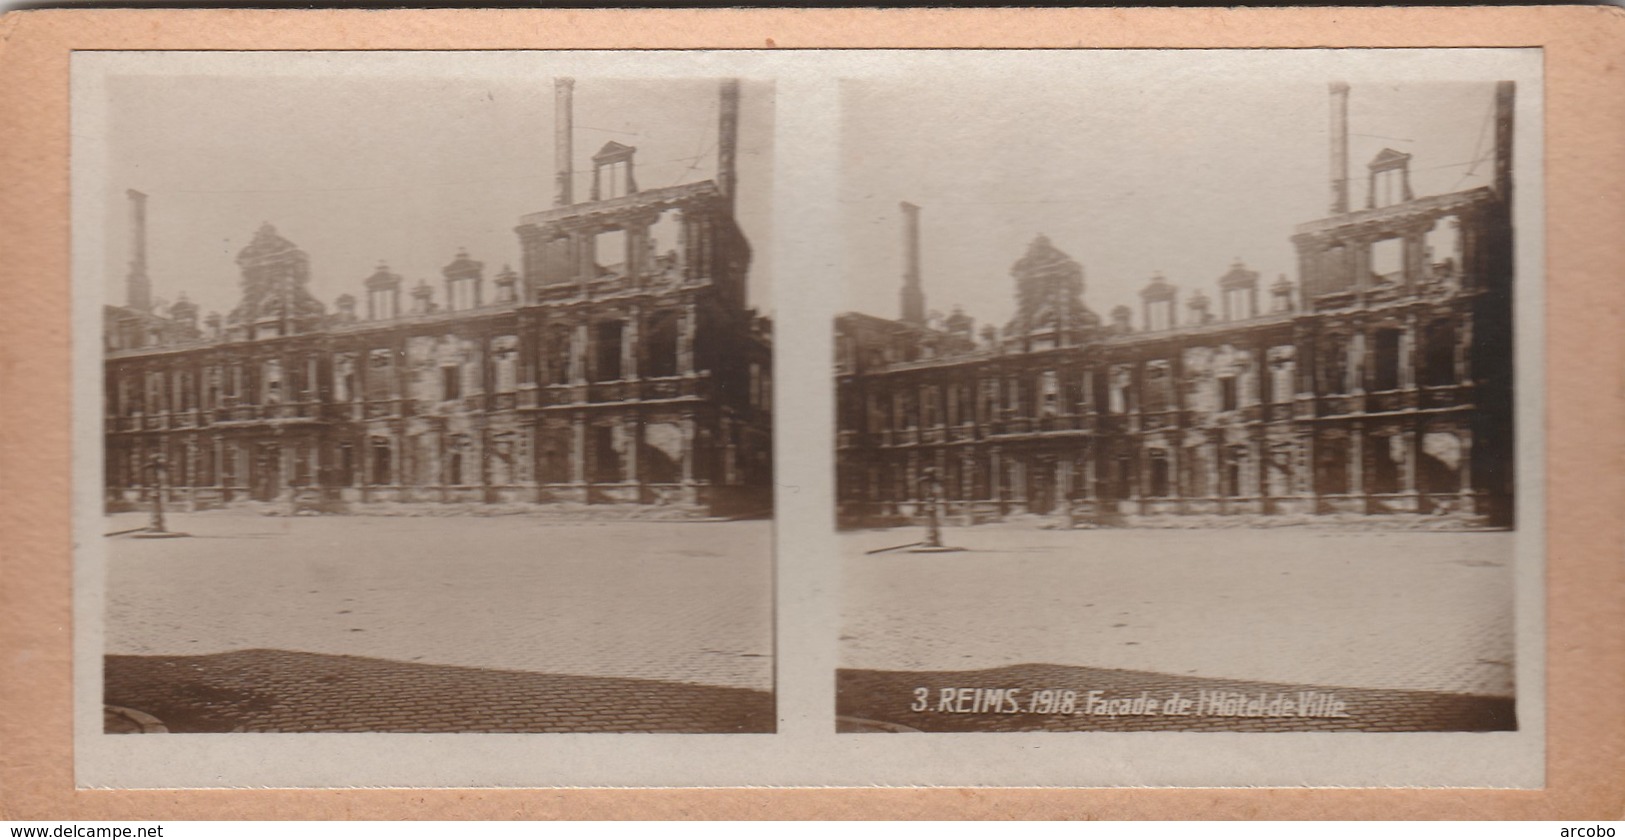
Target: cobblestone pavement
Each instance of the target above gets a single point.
(950, 702)
(1406, 611)
(288, 691)
(554, 603)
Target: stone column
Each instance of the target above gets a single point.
(687, 328)
(585, 247)
(1359, 363)
(404, 463)
(579, 351)
(220, 467)
(630, 344)
(1261, 468)
(1417, 434)
(632, 433)
(1465, 435)
(284, 467)
(636, 234)
(995, 479)
(1411, 442)
(1018, 482)
(688, 449)
(578, 450)
(1464, 343)
(191, 472)
(1357, 459)
(1359, 251)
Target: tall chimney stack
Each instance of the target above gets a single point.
(563, 137)
(913, 295)
(137, 286)
(1340, 147)
(728, 141)
(1504, 96)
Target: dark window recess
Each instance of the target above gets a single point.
(1386, 353)
(608, 367)
(1439, 364)
(451, 383)
(606, 460)
(661, 345)
(381, 470)
(1159, 474)
(1228, 399)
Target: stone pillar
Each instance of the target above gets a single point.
(1464, 343)
(1261, 468)
(220, 467)
(688, 449)
(1359, 364)
(1357, 459)
(563, 137)
(284, 467)
(1465, 435)
(1411, 443)
(1018, 483)
(1359, 256)
(578, 450)
(578, 352)
(687, 328)
(630, 345)
(191, 472)
(995, 479)
(1340, 147)
(582, 245)
(632, 433)
(1415, 257)
(1418, 432)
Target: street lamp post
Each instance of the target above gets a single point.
(157, 470)
(931, 495)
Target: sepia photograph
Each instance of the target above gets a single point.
(1174, 403)
(435, 400)
(429, 432)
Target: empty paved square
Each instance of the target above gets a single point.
(655, 605)
(1423, 612)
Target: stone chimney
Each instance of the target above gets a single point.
(563, 138)
(1281, 295)
(1201, 307)
(913, 295)
(422, 298)
(1340, 148)
(507, 283)
(1504, 97)
(728, 142)
(1122, 319)
(137, 286)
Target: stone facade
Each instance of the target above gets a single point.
(1379, 383)
(620, 365)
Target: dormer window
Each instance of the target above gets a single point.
(612, 175)
(1390, 179)
(1159, 315)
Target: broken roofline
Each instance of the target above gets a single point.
(661, 197)
(1443, 205)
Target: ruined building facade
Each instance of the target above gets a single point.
(620, 364)
(1379, 383)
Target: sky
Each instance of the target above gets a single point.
(1128, 175)
(355, 169)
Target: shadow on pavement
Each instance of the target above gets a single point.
(290, 691)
